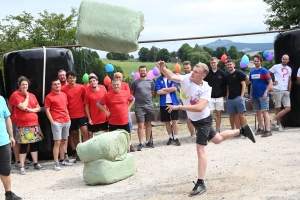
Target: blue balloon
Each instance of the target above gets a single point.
(245, 60)
(266, 54)
(132, 74)
(109, 68)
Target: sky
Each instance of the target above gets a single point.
(166, 19)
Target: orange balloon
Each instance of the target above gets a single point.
(107, 80)
(224, 57)
(177, 68)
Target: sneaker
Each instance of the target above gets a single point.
(65, 163)
(140, 147)
(198, 189)
(259, 132)
(170, 141)
(27, 162)
(132, 149)
(66, 157)
(22, 171)
(18, 166)
(38, 167)
(280, 128)
(274, 123)
(247, 132)
(267, 134)
(149, 145)
(56, 166)
(12, 196)
(77, 160)
(176, 142)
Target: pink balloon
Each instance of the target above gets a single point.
(150, 74)
(136, 75)
(177, 74)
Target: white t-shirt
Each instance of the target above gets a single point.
(191, 93)
(168, 97)
(298, 73)
(282, 75)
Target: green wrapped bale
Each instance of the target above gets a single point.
(106, 172)
(109, 145)
(108, 27)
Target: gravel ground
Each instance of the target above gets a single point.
(237, 169)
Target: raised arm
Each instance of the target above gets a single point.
(167, 73)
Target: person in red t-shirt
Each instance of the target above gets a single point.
(61, 75)
(57, 112)
(117, 104)
(28, 129)
(124, 86)
(97, 119)
(75, 94)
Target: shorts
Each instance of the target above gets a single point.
(130, 121)
(282, 97)
(115, 127)
(261, 104)
(76, 123)
(5, 159)
(204, 130)
(165, 116)
(184, 114)
(98, 127)
(60, 131)
(144, 114)
(216, 104)
(235, 106)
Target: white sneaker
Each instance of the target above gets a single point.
(56, 166)
(65, 163)
(22, 171)
(274, 123)
(280, 128)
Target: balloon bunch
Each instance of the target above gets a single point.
(109, 68)
(85, 80)
(244, 62)
(268, 56)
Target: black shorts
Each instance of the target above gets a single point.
(204, 130)
(98, 127)
(76, 123)
(126, 127)
(5, 160)
(165, 116)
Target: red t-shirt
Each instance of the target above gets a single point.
(117, 103)
(58, 106)
(24, 118)
(75, 97)
(124, 86)
(14, 111)
(91, 98)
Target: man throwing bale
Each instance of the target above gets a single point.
(195, 94)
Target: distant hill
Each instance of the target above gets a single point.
(245, 47)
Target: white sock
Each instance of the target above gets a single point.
(175, 137)
(171, 136)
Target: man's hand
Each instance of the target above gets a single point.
(170, 108)
(12, 141)
(90, 122)
(107, 113)
(264, 96)
(160, 64)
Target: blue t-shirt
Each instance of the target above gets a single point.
(259, 80)
(4, 112)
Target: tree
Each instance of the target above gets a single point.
(183, 52)
(163, 54)
(109, 56)
(233, 53)
(209, 50)
(143, 54)
(219, 52)
(152, 55)
(283, 14)
(173, 54)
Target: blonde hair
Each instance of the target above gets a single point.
(203, 67)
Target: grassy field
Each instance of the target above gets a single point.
(128, 66)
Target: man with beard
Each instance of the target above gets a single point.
(143, 91)
(259, 94)
(97, 119)
(282, 88)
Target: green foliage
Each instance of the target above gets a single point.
(210, 51)
(143, 54)
(282, 14)
(219, 52)
(153, 54)
(164, 55)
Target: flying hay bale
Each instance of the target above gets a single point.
(109, 27)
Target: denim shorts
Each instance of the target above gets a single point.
(261, 104)
(235, 106)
